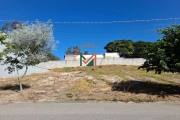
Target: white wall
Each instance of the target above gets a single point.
(112, 55)
(104, 61)
(110, 58)
(98, 56)
(71, 57)
(44, 66)
(4, 73)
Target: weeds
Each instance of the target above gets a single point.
(143, 87)
(68, 69)
(69, 95)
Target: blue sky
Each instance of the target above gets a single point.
(94, 11)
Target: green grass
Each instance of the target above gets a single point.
(68, 69)
(69, 95)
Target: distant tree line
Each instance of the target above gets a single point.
(75, 50)
(130, 49)
(161, 56)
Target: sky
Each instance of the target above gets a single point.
(101, 17)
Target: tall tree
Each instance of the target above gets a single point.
(30, 45)
(73, 50)
(76, 50)
(165, 56)
(52, 57)
(110, 47)
(10, 26)
(86, 52)
(7, 27)
(141, 49)
(69, 51)
(123, 47)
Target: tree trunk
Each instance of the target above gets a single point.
(20, 84)
(20, 79)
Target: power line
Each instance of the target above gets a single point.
(102, 22)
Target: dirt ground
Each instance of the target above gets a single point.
(100, 83)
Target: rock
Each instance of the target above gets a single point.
(61, 88)
(106, 89)
(40, 92)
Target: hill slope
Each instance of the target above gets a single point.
(100, 83)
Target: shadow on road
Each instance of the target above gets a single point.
(150, 88)
(14, 87)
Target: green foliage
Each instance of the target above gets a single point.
(3, 37)
(67, 69)
(73, 50)
(69, 95)
(165, 56)
(141, 49)
(110, 47)
(69, 51)
(28, 45)
(123, 47)
(128, 48)
(100, 66)
(10, 26)
(86, 52)
(52, 57)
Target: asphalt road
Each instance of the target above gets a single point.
(90, 111)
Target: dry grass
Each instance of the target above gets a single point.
(107, 83)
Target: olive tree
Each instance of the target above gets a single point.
(2, 42)
(2, 37)
(30, 44)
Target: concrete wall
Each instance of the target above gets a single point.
(71, 57)
(104, 61)
(98, 56)
(31, 69)
(44, 66)
(107, 59)
(112, 55)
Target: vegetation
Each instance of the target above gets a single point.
(2, 37)
(73, 50)
(52, 57)
(165, 57)
(10, 26)
(7, 27)
(161, 56)
(30, 44)
(129, 49)
(109, 83)
(141, 49)
(86, 52)
(2, 42)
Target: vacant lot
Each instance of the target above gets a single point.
(100, 83)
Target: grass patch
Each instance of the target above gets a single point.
(68, 69)
(69, 95)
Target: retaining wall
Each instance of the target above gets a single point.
(104, 61)
(44, 66)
